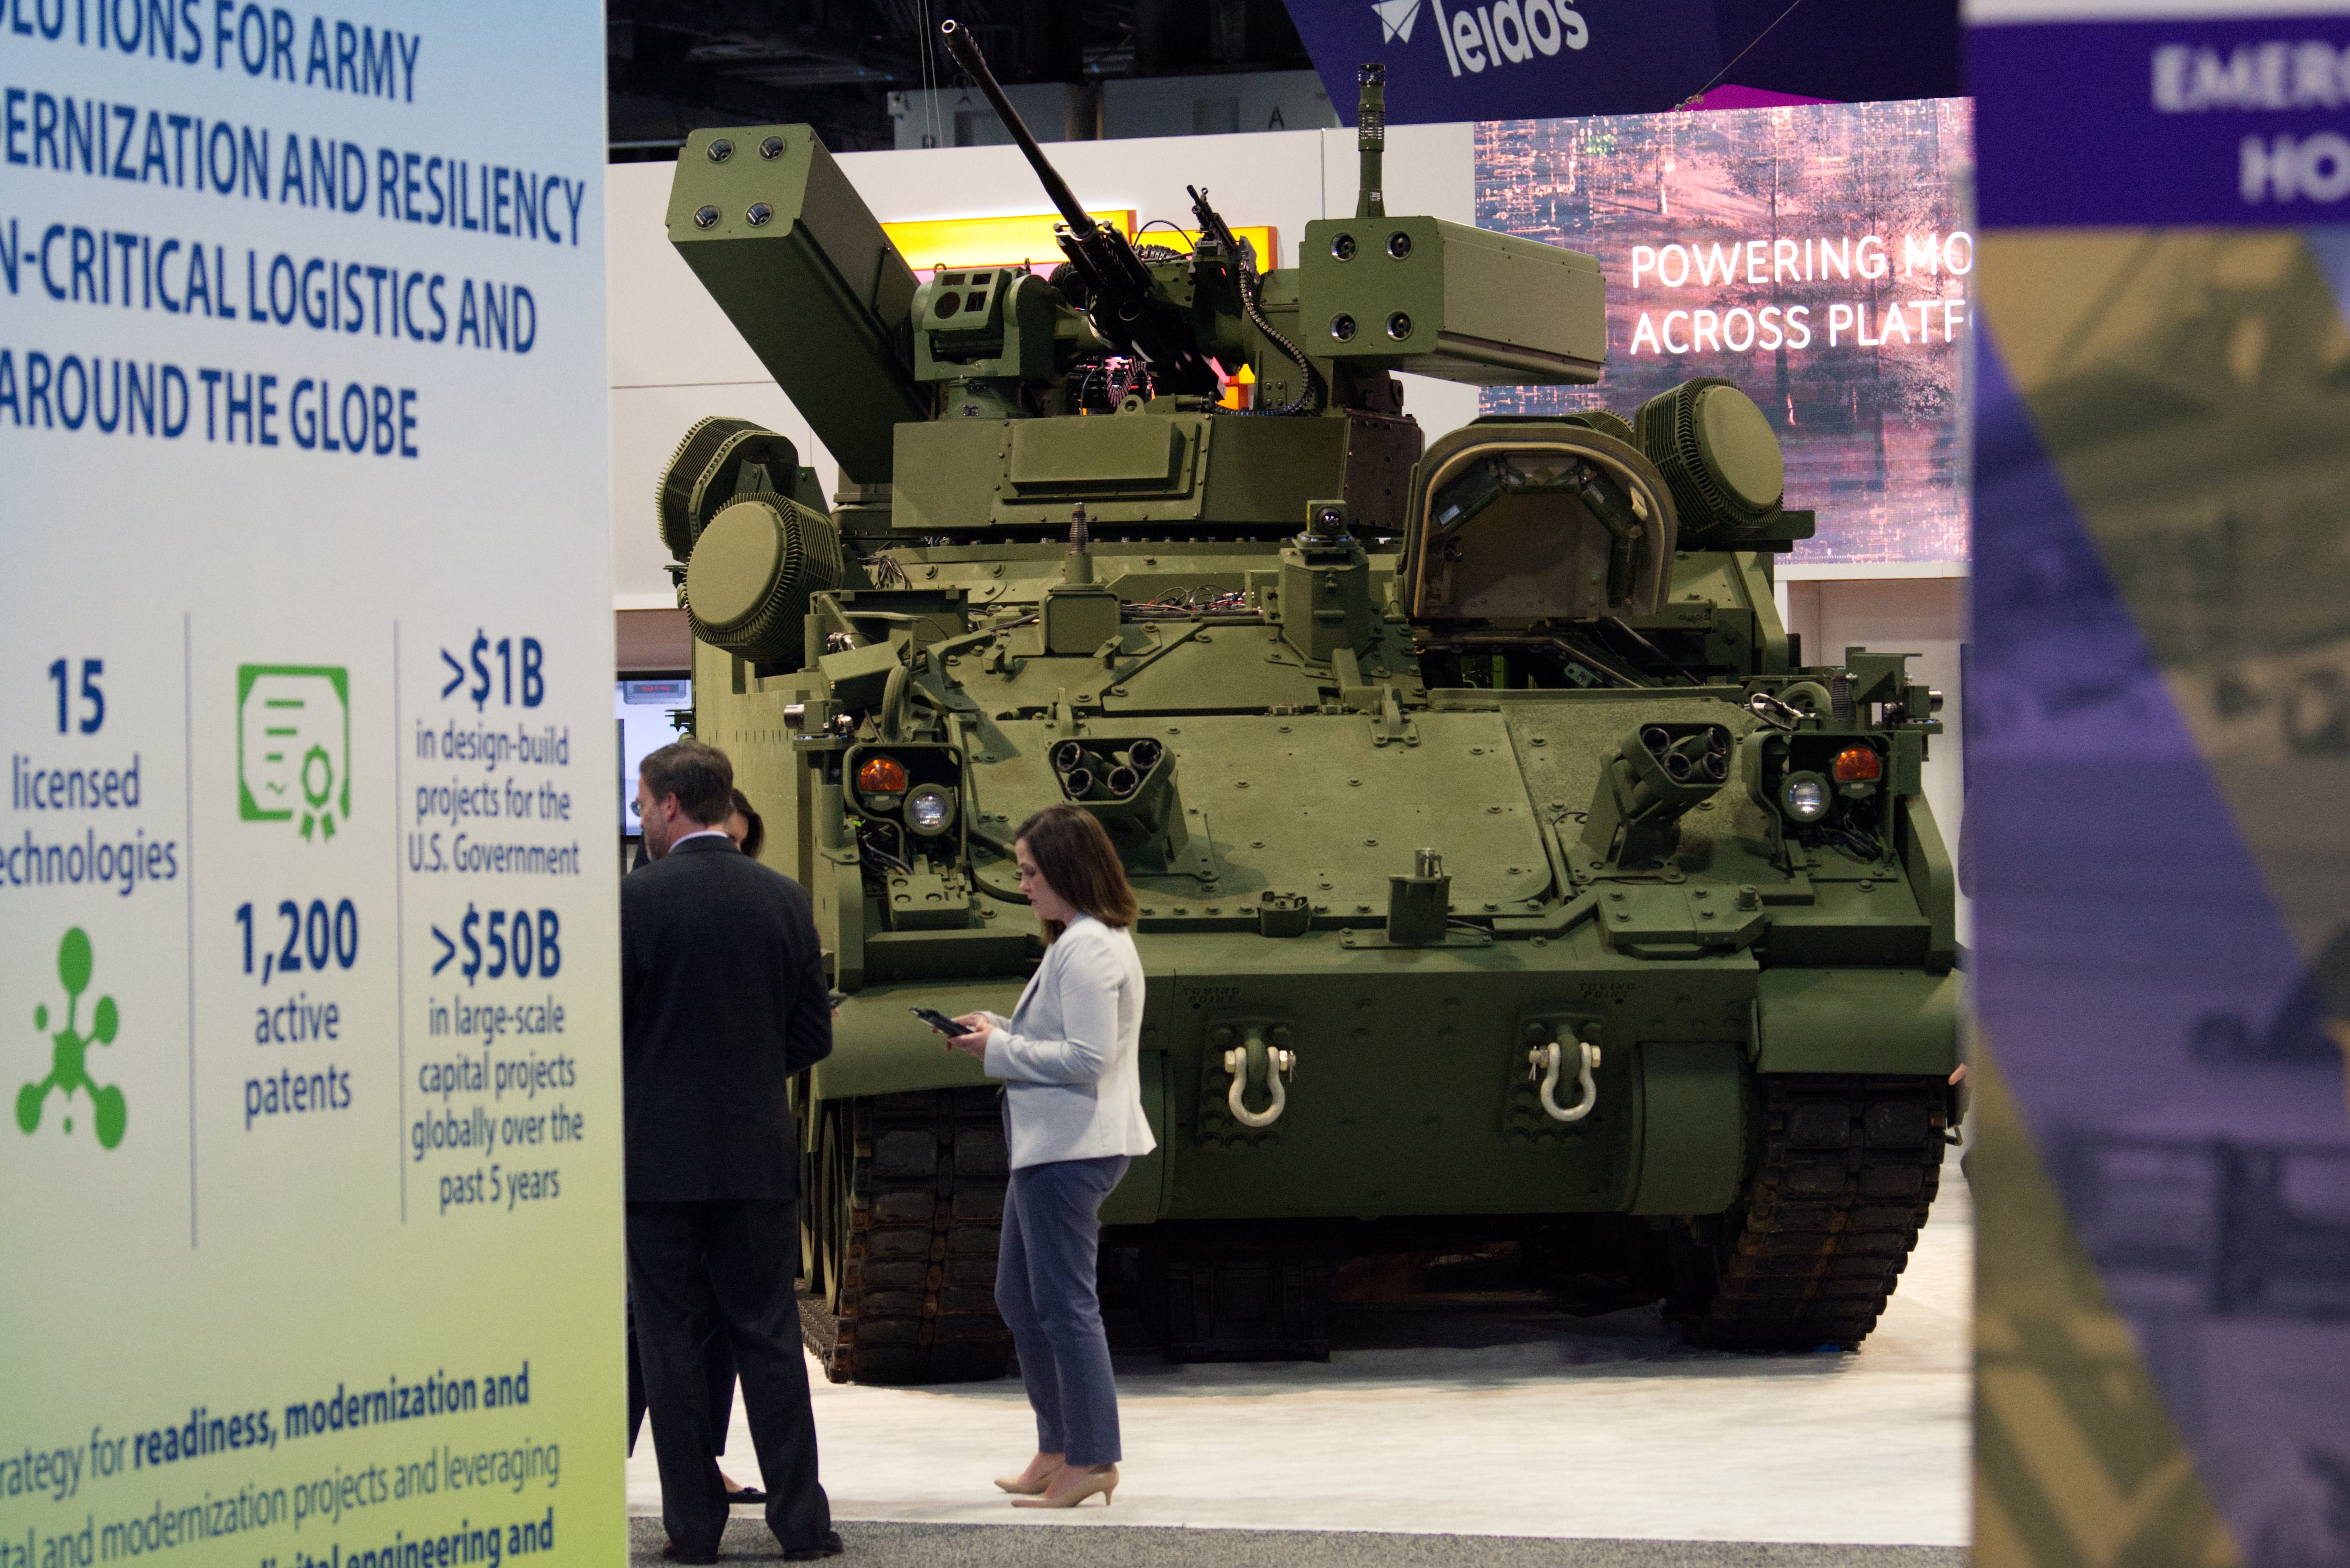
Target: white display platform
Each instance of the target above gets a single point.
(1604, 1428)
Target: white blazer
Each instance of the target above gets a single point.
(1071, 1054)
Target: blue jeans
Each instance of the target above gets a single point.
(1044, 1288)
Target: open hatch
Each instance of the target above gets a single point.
(1537, 520)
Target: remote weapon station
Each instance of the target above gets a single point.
(1506, 872)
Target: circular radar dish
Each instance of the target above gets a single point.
(1741, 448)
(734, 564)
(705, 472)
(1719, 457)
(754, 568)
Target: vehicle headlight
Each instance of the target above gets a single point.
(1804, 797)
(929, 810)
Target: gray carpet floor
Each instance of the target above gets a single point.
(1093, 1546)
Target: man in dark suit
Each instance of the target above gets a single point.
(722, 1000)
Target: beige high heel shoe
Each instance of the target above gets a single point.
(1064, 1492)
(1027, 1483)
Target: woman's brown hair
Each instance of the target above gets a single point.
(1072, 850)
(754, 836)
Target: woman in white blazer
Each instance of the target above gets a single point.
(1069, 1056)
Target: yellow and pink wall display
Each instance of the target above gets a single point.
(1025, 239)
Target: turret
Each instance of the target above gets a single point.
(954, 391)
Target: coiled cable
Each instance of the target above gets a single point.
(1309, 397)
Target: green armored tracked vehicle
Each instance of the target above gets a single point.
(1505, 872)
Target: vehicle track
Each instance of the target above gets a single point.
(1849, 1168)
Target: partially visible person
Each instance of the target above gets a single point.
(718, 1380)
(749, 833)
(745, 827)
(1070, 1056)
(723, 1000)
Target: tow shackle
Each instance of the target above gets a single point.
(1253, 1060)
(1545, 1063)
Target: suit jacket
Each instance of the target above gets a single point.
(1071, 1054)
(722, 1000)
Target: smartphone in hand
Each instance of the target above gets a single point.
(936, 1020)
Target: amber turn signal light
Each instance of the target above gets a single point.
(1853, 764)
(884, 776)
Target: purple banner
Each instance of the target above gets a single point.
(2236, 121)
(1512, 60)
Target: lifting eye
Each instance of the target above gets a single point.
(1858, 764)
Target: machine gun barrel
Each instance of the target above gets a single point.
(966, 55)
(1122, 309)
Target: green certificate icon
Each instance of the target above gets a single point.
(293, 746)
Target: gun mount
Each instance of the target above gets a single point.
(1126, 308)
(922, 381)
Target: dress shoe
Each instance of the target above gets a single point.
(745, 1496)
(1028, 1483)
(1071, 1485)
(677, 1554)
(830, 1547)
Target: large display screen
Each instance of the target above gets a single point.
(1818, 254)
(646, 710)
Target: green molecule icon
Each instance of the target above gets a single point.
(67, 1069)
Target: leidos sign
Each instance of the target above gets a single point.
(1504, 33)
(1459, 59)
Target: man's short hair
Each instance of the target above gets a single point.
(698, 774)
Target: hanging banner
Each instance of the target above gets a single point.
(2159, 729)
(307, 1018)
(1512, 60)
(2206, 116)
